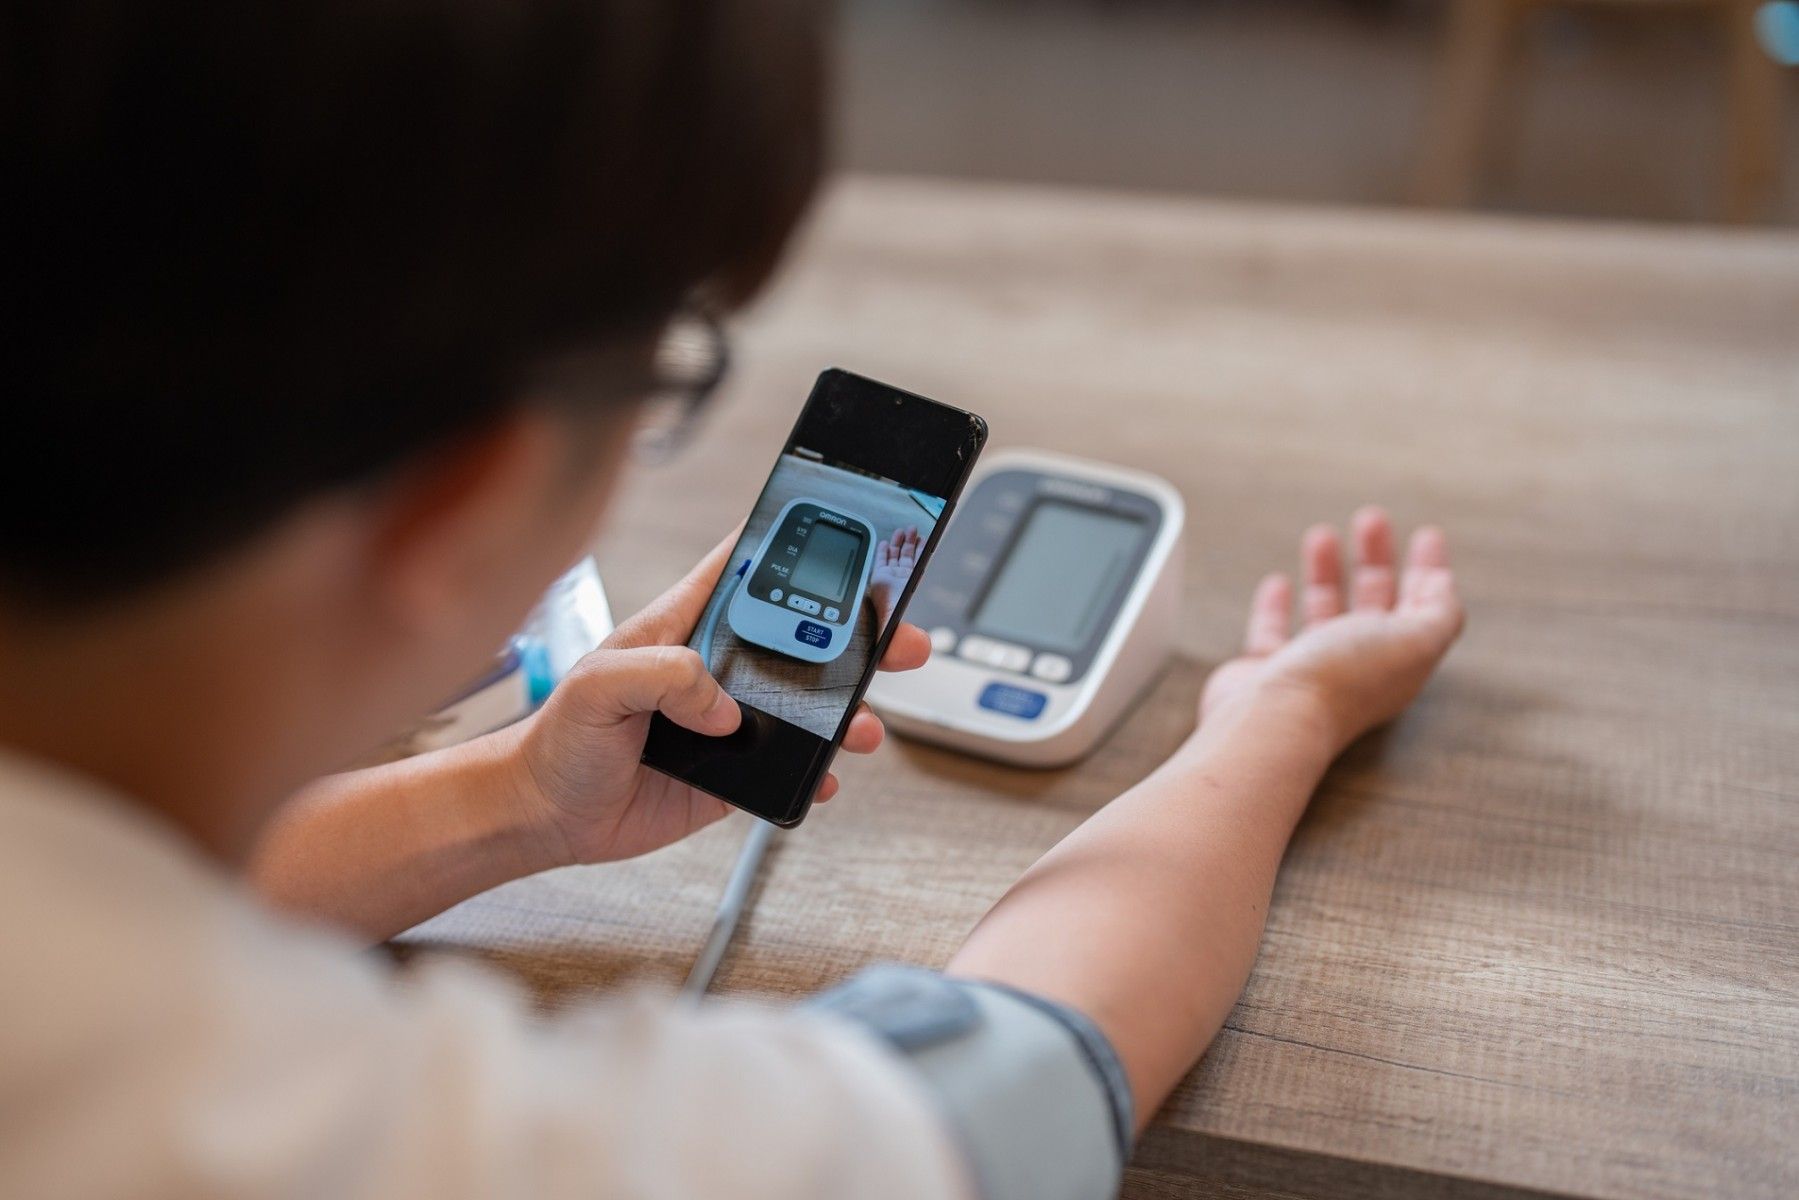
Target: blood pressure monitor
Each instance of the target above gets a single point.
(1051, 604)
(803, 590)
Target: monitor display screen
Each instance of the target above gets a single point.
(827, 563)
(1054, 588)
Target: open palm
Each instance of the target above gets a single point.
(895, 560)
(1364, 653)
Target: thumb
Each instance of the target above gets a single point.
(612, 685)
(671, 616)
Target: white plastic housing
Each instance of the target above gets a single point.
(940, 701)
(773, 626)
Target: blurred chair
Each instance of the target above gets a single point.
(1477, 48)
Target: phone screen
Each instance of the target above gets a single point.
(815, 586)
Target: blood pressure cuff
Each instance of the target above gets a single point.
(1031, 1088)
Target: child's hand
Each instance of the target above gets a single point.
(895, 560)
(1361, 660)
(575, 762)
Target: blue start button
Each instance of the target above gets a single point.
(1023, 703)
(813, 634)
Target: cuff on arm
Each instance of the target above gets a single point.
(1031, 1088)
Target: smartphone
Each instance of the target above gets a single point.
(816, 585)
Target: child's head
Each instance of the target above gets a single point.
(331, 318)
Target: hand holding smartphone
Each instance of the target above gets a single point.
(815, 586)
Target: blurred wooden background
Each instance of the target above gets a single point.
(1600, 108)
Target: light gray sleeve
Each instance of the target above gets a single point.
(1031, 1089)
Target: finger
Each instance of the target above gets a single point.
(883, 553)
(1426, 566)
(1321, 566)
(909, 649)
(826, 790)
(1428, 590)
(671, 680)
(1429, 548)
(1375, 583)
(1270, 614)
(865, 734)
(1435, 594)
(670, 617)
(1432, 602)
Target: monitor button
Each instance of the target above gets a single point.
(991, 653)
(775, 595)
(813, 634)
(978, 649)
(832, 614)
(1013, 658)
(943, 639)
(1052, 668)
(1023, 703)
(797, 602)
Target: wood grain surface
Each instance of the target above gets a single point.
(1542, 934)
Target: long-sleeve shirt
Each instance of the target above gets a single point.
(162, 1034)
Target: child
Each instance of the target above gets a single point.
(332, 325)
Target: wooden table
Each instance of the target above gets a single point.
(1540, 936)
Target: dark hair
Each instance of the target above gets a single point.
(267, 250)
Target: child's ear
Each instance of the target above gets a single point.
(453, 527)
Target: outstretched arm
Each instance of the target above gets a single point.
(1148, 916)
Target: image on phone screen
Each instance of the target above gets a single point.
(811, 586)
(815, 584)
